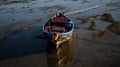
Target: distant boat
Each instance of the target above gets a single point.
(59, 28)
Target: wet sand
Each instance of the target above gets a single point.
(95, 41)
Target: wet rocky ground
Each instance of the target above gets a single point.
(95, 41)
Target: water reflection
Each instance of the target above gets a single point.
(60, 57)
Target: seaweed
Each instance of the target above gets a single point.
(115, 26)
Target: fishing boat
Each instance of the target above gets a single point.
(58, 28)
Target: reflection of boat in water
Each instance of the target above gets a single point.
(59, 28)
(60, 57)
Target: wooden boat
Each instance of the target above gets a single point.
(59, 28)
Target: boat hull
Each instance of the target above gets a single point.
(62, 36)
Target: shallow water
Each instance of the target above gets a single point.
(22, 42)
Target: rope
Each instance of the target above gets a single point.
(77, 11)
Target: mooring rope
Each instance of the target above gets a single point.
(81, 10)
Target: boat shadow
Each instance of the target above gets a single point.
(61, 56)
(26, 47)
